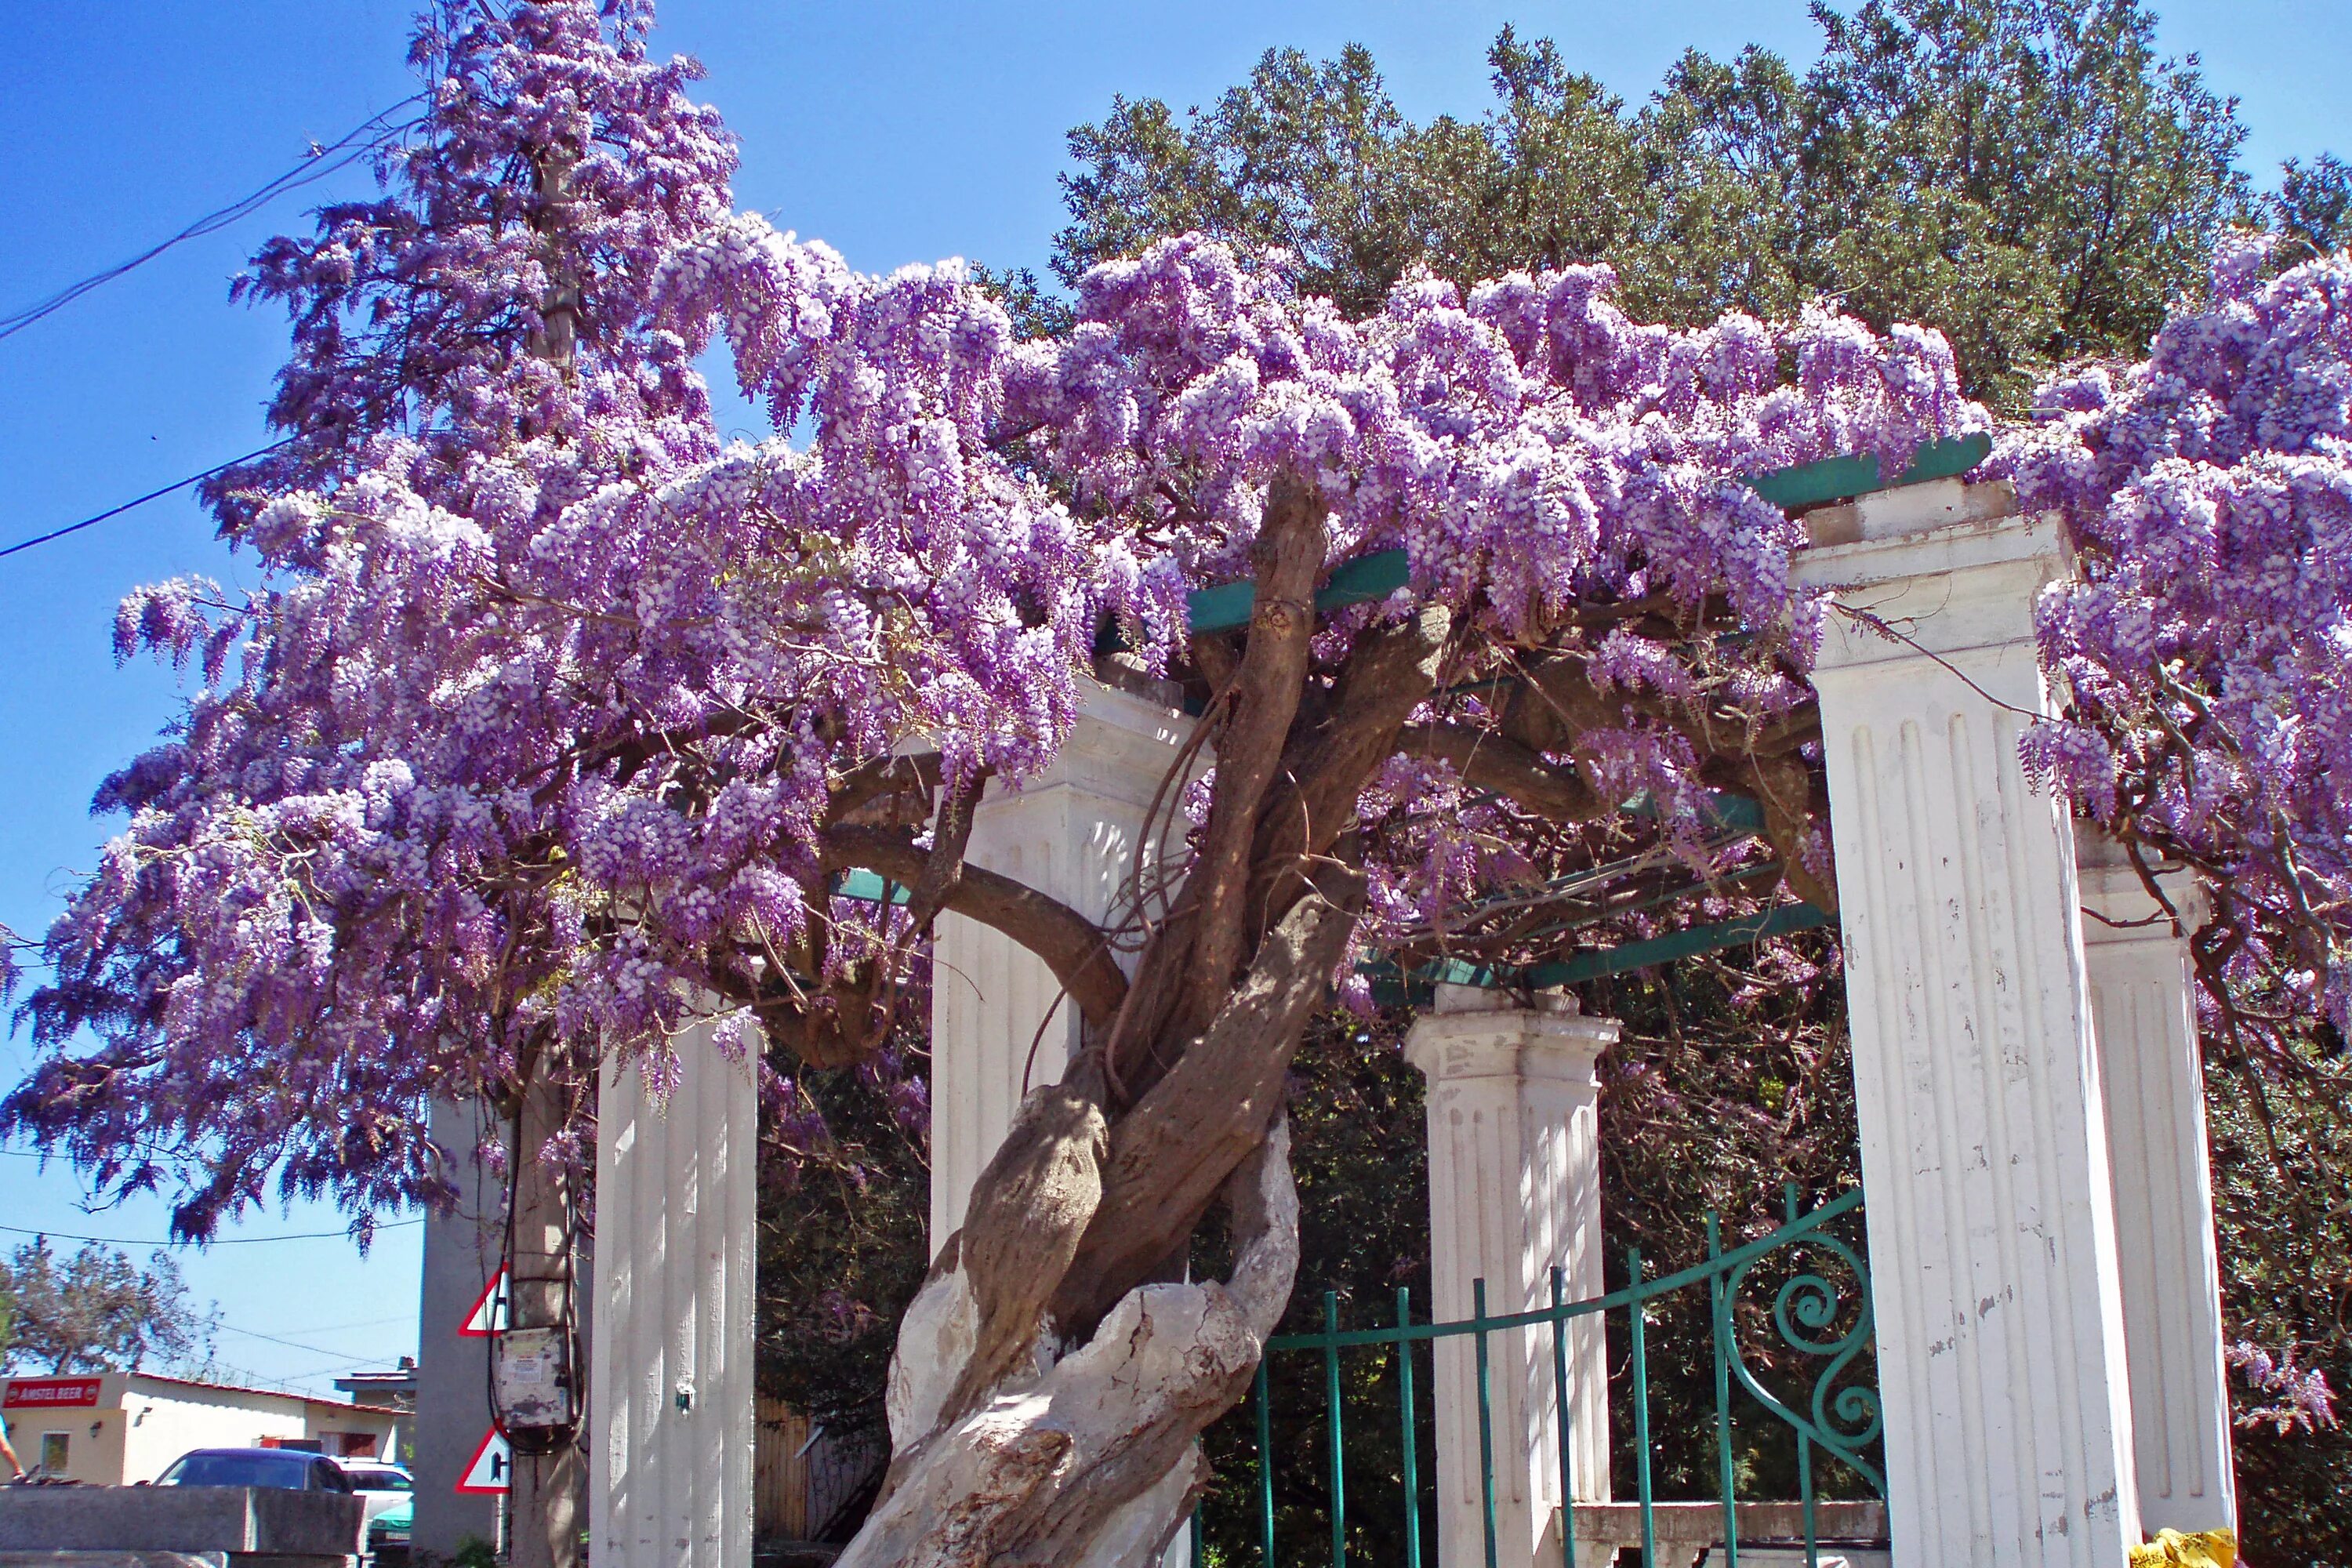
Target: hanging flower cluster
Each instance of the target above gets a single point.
(2205, 640)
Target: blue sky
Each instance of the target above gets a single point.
(898, 131)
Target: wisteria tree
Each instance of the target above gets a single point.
(555, 720)
(2207, 639)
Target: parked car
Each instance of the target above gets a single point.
(290, 1469)
(389, 1491)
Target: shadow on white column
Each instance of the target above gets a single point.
(670, 1408)
(2143, 996)
(1514, 1190)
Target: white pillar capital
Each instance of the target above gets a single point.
(1976, 1084)
(1967, 587)
(1484, 1036)
(1514, 1192)
(2116, 895)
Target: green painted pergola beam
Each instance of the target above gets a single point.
(1856, 474)
(1226, 607)
(1598, 963)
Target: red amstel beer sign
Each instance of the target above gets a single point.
(49, 1392)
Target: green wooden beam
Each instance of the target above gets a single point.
(1226, 607)
(866, 887)
(1599, 962)
(1856, 474)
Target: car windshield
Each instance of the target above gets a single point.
(374, 1480)
(236, 1470)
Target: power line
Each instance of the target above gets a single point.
(143, 500)
(314, 1350)
(339, 153)
(222, 1241)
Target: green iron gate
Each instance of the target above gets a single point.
(1819, 1311)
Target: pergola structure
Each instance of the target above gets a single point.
(2045, 1287)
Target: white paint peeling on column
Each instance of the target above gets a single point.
(675, 1213)
(1993, 1230)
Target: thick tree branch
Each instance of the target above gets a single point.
(1072, 946)
(1392, 671)
(1263, 699)
(1487, 760)
(1170, 1155)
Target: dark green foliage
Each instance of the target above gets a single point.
(1731, 1079)
(2313, 209)
(2029, 175)
(2283, 1209)
(1359, 1156)
(844, 1196)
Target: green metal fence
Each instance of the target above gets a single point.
(1819, 1310)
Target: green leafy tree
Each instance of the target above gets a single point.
(845, 1198)
(2313, 208)
(2030, 176)
(99, 1312)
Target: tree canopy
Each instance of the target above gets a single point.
(97, 1311)
(553, 723)
(2030, 177)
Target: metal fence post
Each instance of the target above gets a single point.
(1264, 1461)
(1566, 1428)
(1404, 1403)
(1719, 1303)
(1485, 1416)
(1633, 1307)
(1338, 1457)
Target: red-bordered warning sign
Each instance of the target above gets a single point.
(488, 1315)
(491, 1467)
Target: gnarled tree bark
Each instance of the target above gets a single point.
(1055, 1369)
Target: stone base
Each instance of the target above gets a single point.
(1686, 1530)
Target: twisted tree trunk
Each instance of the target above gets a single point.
(1055, 1371)
(1053, 1375)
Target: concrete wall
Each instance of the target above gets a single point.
(453, 1407)
(161, 1426)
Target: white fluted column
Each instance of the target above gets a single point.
(1984, 1146)
(1514, 1190)
(1075, 833)
(670, 1400)
(2142, 995)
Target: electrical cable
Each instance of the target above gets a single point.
(143, 500)
(314, 1350)
(322, 161)
(222, 1241)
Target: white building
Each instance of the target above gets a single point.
(119, 1428)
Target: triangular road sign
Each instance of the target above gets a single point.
(488, 1315)
(492, 1466)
